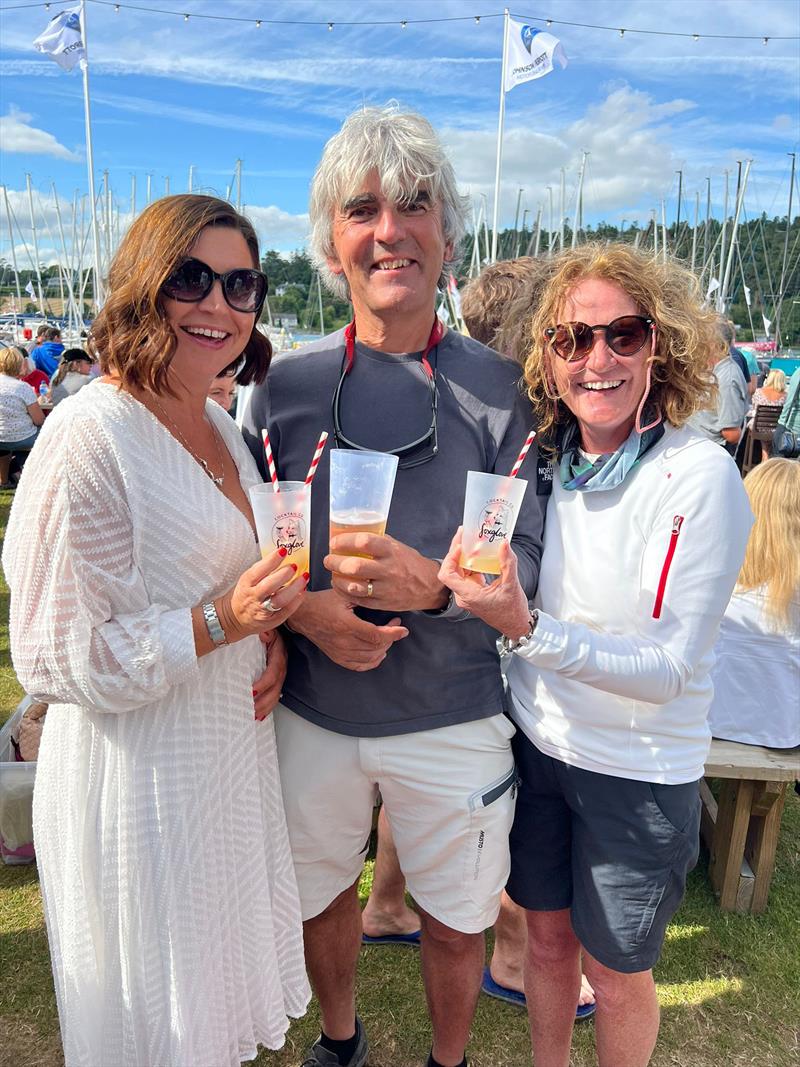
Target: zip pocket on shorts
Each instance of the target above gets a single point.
(677, 522)
(486, 796)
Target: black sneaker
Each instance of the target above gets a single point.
(319, 1056)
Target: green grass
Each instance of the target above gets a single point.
(729, 985)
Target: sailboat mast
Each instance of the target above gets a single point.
(561, 210)
(735, 226)
(321, 315)
(785, 252)
(694, 231)
(579, 201)
(35, 244)
(13, 251)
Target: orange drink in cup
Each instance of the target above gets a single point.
(283, 520)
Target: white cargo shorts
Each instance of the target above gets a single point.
(449, 795)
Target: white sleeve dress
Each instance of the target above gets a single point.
(168, 885)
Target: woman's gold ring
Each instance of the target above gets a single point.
(369, 587)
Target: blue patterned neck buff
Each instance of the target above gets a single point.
(607, 471)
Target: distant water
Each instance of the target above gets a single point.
(305, 338)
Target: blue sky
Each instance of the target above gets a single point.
(167, 94)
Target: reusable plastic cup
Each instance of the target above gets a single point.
(491, 507)
(361, 487)
(283, 520)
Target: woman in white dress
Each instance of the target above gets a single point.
(137, 600)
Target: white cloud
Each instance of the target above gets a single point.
(16, 135)
(162, 109)
(784, 124)
(631, 159)
(275, 227)
(278, 228)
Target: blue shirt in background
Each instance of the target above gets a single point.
(46, 357)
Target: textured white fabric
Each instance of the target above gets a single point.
(608, 682)
(757, 674)
(15, 399)
(168, 885)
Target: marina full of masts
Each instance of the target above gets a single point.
(748, 264)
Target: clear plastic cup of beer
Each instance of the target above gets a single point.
(361, 486)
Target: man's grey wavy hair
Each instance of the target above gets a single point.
(404, 149)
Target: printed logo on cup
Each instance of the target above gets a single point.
(496, 520)
(289, 532)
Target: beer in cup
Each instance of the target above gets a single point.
(361, 486)
(491, 507)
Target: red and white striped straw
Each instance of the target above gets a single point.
(523, 454)
(312, 470)
(270, 460)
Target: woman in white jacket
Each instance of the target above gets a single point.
(610, 678)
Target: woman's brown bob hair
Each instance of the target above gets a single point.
(687, 336)
(131, 336)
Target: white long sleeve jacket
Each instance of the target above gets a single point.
(634, 583)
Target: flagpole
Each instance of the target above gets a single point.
(98, 277)
(500, 118)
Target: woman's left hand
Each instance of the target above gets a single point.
(267, 687)
(501, 604)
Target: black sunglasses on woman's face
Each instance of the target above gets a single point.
(244, 289)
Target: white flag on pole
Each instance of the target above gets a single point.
(30, 291)
(531, 54)
(62, 40)
(713, 285)
(746, 294)
(767, 324)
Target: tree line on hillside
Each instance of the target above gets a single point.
(757, 267)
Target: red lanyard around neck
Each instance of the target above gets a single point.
(437, 333)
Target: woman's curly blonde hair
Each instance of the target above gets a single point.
(687, 340)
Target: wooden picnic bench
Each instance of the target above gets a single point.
(741, 829)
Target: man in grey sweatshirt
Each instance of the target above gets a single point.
(390, 686)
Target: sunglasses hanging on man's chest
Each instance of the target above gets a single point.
(424, 448)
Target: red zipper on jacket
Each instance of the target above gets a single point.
(677, 522)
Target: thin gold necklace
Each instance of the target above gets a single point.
(217, 479)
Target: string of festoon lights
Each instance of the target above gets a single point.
(403, 24)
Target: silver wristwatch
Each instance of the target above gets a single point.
(215, 631)
(507, 645)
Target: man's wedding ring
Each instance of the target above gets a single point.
(369, 587)
(268, 605)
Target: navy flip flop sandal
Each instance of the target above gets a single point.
(513, 996)
(412, 940)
